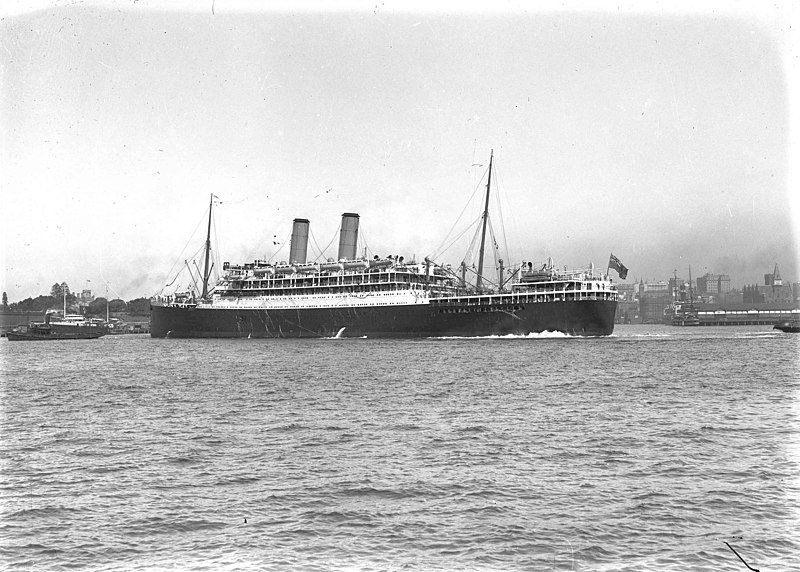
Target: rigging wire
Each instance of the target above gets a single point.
(108, 285)
(193, 258)
(437, 253)
(215, 251)
(335, 234)
(282, 243)
(500, 215)
(177, 261)
(199, 275)
(470, 254)
(363, 239)
(171, 283)
(319, 252)
(495, 251)
(462, 233)
(472, 271)
(196, 290)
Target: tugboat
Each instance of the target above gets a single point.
(683, 314)
(68, 328)
(387, 297)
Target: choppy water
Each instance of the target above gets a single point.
(644, 451)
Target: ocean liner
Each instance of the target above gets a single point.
(383, 297)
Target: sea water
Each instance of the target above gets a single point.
(647, 450)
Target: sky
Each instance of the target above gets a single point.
(662, 134)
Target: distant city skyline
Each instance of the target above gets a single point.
(663, 136)
(630, 282)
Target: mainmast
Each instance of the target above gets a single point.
(208, 250)
(478, 282)
(675, 289)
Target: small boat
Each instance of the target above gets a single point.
(791, 327)
(680, 314)
(688, 318)
(683, 314)
(70, 327)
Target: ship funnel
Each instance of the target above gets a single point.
(298, 248)
(348, 237)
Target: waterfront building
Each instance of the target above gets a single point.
(86, 297)
(628, 304)
(627, 292)
(654, 298)
(730, 297)
(772, 291)
(654, 287)
(713, 284)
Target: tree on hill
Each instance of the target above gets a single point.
(97, 307)
(37, 304)
(136, 307)
(139, 307)
(57, 290)
(57, 294)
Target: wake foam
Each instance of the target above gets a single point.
(532, 336)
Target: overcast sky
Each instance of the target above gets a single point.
(661, 135)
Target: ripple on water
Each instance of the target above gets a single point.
(557, 454)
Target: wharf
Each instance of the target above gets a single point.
(10, 319)
(763, 314)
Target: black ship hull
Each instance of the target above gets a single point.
(40, 333)
(437, 319)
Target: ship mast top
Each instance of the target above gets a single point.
(479, 281)
(206, 271)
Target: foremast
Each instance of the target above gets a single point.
(479, 281)
(206, 269)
